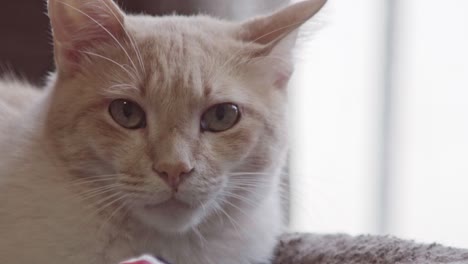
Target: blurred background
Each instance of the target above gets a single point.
(380, 121)
(379, 109)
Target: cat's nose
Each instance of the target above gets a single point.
(173, 173)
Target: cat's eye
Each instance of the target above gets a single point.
(127, 114)
(220, 117)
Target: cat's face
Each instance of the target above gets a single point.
(168, 119)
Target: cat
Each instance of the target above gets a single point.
(155, 135)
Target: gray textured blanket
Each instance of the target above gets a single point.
(344, 249)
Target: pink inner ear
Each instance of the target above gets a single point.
(72, 56)
(79, 22)
(282, 78)
(79, 25)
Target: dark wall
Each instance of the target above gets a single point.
(25, 40)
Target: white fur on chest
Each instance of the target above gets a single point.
(249, 240)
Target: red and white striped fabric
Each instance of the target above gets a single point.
(144, 260)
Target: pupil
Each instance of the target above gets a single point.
(220, 112)
(127, 110)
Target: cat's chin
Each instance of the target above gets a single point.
(171, 216)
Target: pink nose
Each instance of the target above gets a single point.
(173, 173)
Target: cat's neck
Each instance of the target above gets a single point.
(217, 235)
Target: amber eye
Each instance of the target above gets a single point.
(220, 117)
(127, 114)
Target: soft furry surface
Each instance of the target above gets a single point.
(344, 249)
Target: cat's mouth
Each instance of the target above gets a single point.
(170, 216)
(171, 203)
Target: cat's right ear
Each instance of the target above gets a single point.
(275, 36)
(78, 25)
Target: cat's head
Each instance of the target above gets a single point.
(172, 117)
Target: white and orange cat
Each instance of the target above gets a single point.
(156, 135)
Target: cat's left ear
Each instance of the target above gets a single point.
(81, 24)
(275, 36)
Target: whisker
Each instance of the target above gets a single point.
(86, 178)
(234, 223)
(84, 182)
(101, 206)
(244, 189)
(122, 66)
(241, 198)
(200, 236)
(130, 38)
(92, 189)
(237, 207)
(98, 191)
(278, 58)
(250, 183)
(109, 219)
(247, 173)
(95, 208)
(249, 178)
(100, 176)
(123, 85)
(215, 211)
